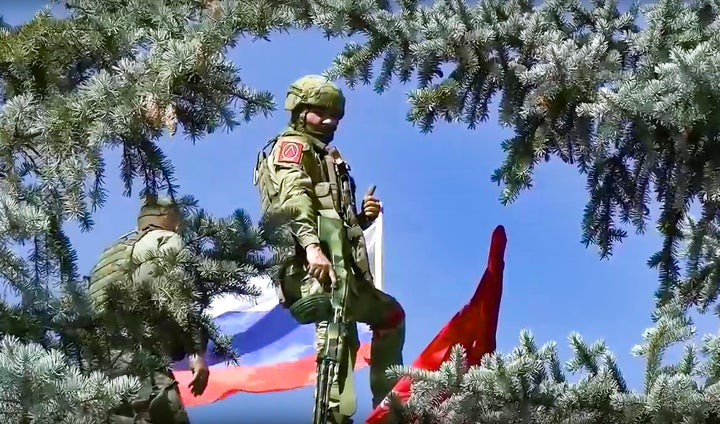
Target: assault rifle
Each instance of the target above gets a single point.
(333, 241)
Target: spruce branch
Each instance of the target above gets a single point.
(528, 386)
(634, 107)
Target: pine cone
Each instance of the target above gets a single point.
(212, 7)
(152, 110)
(543, 102)
(170, 119)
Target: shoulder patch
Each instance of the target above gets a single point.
(289, 152)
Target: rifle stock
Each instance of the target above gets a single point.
(333, 241)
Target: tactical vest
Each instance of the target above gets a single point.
(112, 267)
(334, 196)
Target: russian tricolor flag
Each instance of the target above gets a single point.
(276, 353)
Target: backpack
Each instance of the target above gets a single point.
(112, 267)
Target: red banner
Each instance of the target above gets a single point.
(474, 327)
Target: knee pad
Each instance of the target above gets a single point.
(313, 308)
(394, 320)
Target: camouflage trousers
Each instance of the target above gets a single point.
(386, 318)
(158, 402)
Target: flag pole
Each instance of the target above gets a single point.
(378, 271)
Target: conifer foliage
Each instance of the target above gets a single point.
(116, 74)
(633, 106)
(629, 97)
(42, 387)
(531, 385)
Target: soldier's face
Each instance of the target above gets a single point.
(322, 119)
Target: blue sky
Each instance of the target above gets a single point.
(440, 208)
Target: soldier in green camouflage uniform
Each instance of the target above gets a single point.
(299, 170)
(158, 401)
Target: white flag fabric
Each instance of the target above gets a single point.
(373, 239)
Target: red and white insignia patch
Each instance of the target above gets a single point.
(290, 152)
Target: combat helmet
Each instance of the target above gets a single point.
(315, 90)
